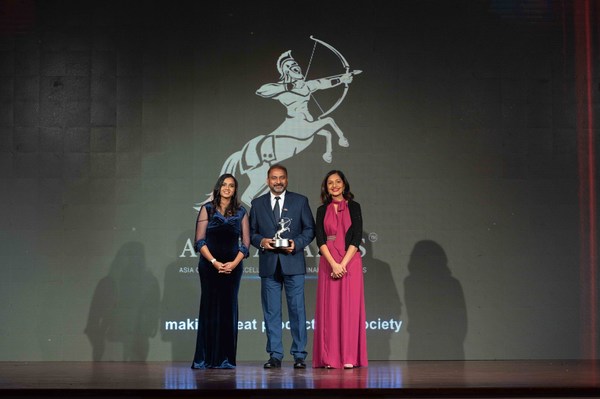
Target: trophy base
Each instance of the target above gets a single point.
(281, 243)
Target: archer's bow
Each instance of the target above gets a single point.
(344, 64)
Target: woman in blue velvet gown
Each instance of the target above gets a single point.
(223, 239)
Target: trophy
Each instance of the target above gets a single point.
(284, 225)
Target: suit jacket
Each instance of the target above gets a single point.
(354, 233)
(263, 225)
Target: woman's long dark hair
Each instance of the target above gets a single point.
(326, 197)
(234, 205)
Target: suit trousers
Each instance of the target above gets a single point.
(271, 290)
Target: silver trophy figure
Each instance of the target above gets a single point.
(284, 225)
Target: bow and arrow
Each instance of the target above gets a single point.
(346, 67)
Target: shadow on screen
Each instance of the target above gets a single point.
(124, 309)
(435, 306)
(180, 302)
(382, 303)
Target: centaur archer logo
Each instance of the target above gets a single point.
(294, 91)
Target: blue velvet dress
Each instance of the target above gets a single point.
(216, 343)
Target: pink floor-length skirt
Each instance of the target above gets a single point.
(340, 333)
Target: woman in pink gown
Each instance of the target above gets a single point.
(340, 335)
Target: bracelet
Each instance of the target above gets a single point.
(213, 260)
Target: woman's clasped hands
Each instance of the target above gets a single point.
(338, 270)
(225, 268)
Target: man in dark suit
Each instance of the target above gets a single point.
(282, 267)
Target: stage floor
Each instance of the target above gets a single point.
(382, 379)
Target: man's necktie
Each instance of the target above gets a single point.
(276, 210)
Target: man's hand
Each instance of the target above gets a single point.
(267, 243)
(291, 248)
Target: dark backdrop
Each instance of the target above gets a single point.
(116, 118)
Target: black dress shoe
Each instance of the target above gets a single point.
(299, 364)
(272, 363)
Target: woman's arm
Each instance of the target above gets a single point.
(337, 269)
(200, 238)
(243, 252)
(354, 234)
(356, 227)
